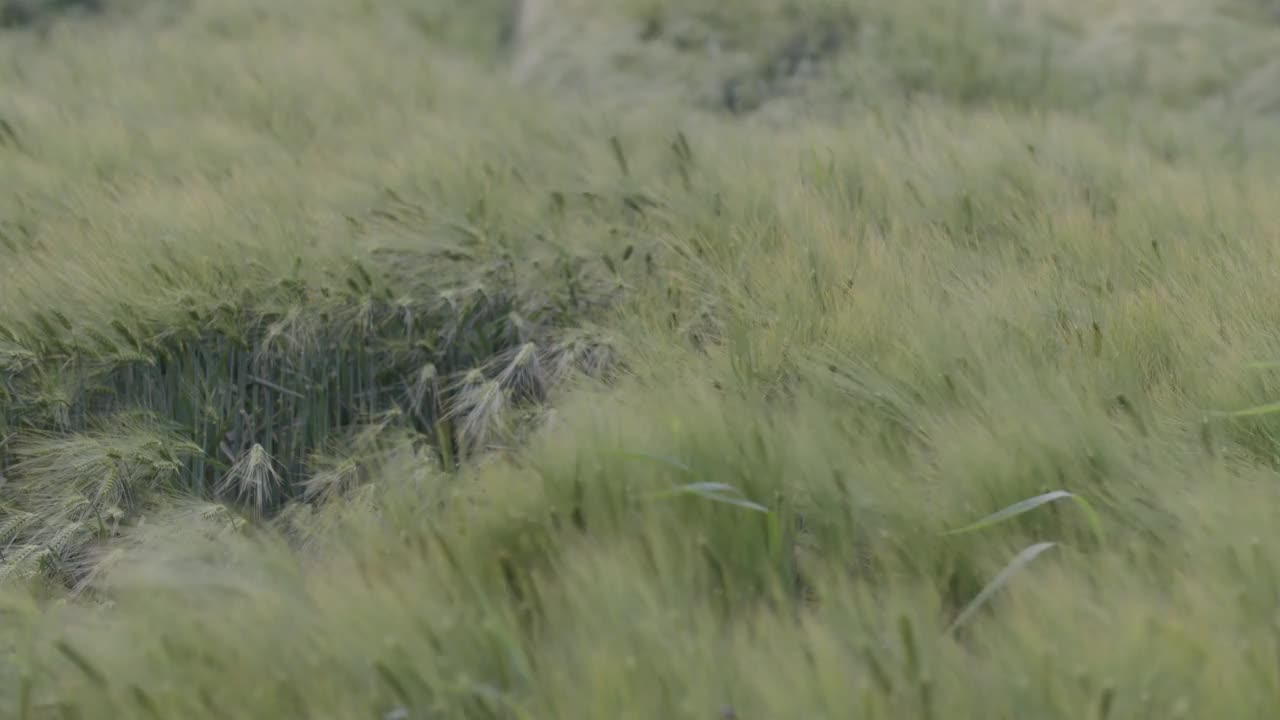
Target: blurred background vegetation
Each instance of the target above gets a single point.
(639, 358)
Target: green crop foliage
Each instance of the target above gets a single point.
(639, 359)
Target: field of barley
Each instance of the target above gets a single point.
(639, 359)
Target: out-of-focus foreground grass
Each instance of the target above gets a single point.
(639, 358)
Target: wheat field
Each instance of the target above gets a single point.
(593, 359)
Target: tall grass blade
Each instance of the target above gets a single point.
(1022, 559)
(715, 492)
(1255, 411)
(1024, 506)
